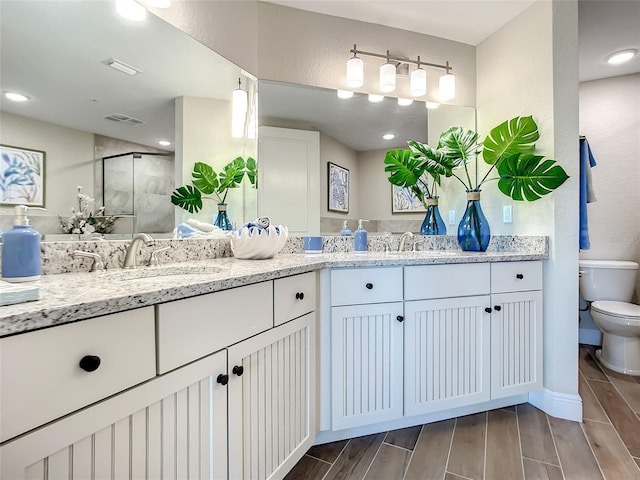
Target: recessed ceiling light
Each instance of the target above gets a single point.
(164, 143)
(389, 136)
(432, 105)
(15, 96)
(131, 10)
(345, 94)
(621, 56)
(373, 98)
(122, 67)
(404, 102)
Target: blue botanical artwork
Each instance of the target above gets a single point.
(21, 176)
(403, 200)
(338, 188)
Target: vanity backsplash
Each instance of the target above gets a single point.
(58, 257)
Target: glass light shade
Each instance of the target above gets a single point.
(418, 84)
(388, 77)
(447, 86)
(345, 94)
(355, 72)
(238, 112)
(374, 98)
(131, 10)
(404, 102)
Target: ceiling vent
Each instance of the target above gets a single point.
(118, 117)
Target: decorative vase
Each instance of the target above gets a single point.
(433, 223)
(222, 220)
(473, 231)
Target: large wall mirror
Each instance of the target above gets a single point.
(99, 126)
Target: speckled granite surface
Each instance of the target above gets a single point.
(75, 296)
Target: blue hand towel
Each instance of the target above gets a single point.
(587, 194)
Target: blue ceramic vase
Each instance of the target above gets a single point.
(222, 220)
(473, 231)
(433, 223)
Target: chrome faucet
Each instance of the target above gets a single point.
(403, 240)
(96, 263)
(132, 249)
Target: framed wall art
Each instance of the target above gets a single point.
(403, 200)
(21, 176)
(338, 186)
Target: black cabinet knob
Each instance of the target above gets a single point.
(238, 370)
(369, 286)
(223, 379)
(400, 318)
(299, 295)
(497, 308)
(487, 309)
(89, 363)
(519, 276)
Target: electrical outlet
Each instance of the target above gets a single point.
(507, 214)
(452, 217)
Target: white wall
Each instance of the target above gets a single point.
(530, 67)
(610, 119)
(68, 162)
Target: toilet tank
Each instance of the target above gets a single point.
(607, 280)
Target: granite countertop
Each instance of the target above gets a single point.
(70, 297)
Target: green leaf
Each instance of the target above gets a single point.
(459, 145)
(232, 174)
(187, 197)
(204, 178)
(436, 163)
(405, 167)
(252, 171)
(529, 177)
(517, 135)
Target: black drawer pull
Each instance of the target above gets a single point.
(238, 370)
(223, 379)
(299, 295)
(487, 309)
(400, 318)
(89, 363)
(519, 276)
(497, 308)
(369, 286)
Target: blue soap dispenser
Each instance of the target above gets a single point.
(360, 238)
(345, 232)
(21, 250)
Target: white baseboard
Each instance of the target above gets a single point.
(556, 404)
(589, 336)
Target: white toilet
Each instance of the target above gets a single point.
(609, 285)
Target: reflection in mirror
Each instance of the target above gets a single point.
(81, 111)
(350, 135)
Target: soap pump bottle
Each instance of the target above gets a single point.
(21, 250)
(345, 232)
(360, 237)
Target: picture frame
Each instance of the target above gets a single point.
(403, 200)
(22, 176)
(338, 188)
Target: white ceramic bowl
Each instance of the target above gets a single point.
(256, 244)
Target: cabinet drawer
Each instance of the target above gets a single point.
(442, 281)
(366, 285)
(293, 297)
(516, 276)
(41, 377)
(194, 327)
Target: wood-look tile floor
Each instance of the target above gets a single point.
(519, 442)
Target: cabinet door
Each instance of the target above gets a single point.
(174, 426)
(446, 351)
(272, 400)
(516, 343)
(366, 364)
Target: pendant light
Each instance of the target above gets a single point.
(447, 85)
(355, 71)
(387, 76)
(238, 111)
(418, 81)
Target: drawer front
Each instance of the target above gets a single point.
(366, 285)
(195, 327)
(442, 281)
(293, 297)
(516, 276)
(41, 374)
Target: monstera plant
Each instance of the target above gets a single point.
(206, 181)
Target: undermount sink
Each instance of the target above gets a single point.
(161, 272)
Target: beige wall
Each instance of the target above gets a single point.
(610, 119)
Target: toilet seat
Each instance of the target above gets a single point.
(629, 311)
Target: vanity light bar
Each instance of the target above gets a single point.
(386, 56)
(122, 67)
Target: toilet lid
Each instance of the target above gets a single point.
(617, 309)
